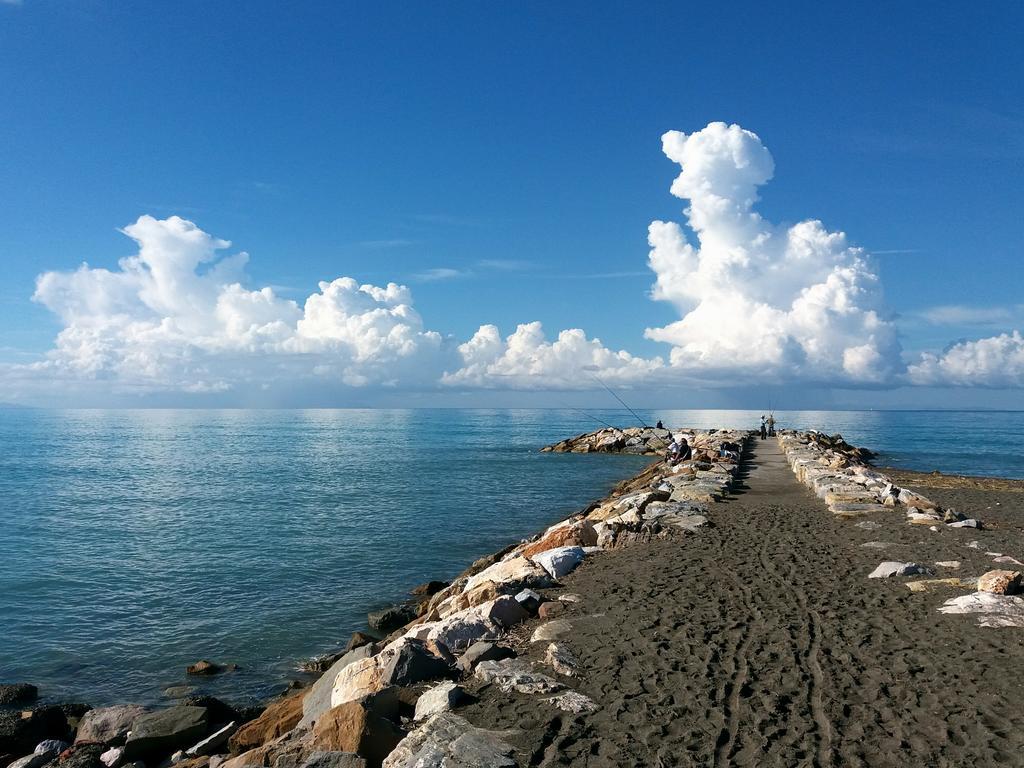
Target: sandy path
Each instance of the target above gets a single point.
(762, 642)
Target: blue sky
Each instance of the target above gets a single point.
(504, 160)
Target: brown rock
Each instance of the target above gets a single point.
(358, 640)
(1000, 582)
(356, 727)
(279, 718)
(429, 589)
(578, 534)
(551, 609)
(204, 667)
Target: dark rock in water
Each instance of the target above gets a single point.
(217, 710)
(179, 691)
(358, 640)
(483, 651)
(108, 725)
(319, 664)
(21, 731)
(166, 730)
(204, 667)
(73, 713)
(17, 693)
(412, 663)
(390, 619)
(429, 589)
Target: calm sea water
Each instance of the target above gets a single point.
(133, 543)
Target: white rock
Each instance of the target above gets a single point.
(948, 563)
(1007, 559)
(358, 679)
(460, 630)
(112, 757)
(560, 561)
(516, 675)
(449, 741)
(968, 523)
(560, 659)
(994, 610)
(440, 698)
(213, 743)
(869, 525)
(571, 701)
(893, 568)
(516, 570)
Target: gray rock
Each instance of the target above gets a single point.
(17, 693)
(516, 675)
(51, 747)
(213, 743)
(318, 699)
(483, 650)
(412, 663)
(449, 741)
(440, 698)
(505, 611)
(331, 760)
(31, 761)
(108, 725)
(869, 525)
(560, 659)
(893, 568)
(165, 731)
(529, 599)
(560, 561)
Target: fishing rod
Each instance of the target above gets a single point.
(592, 416)
(589, 369)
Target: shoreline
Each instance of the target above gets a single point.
(611, 530)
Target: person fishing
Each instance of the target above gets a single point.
(659, 425)
(771, 425)
(764, 428)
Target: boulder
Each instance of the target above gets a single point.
(408, 661)
(108, 725)
(318, 697)
(17, 693)
(221, 712)
(333, 760)
(529, 599)
(389, 619)
(571, 701)
(552, 630)
(580, 533)
(358, 640)
(277, 719)
(551, 609)
(515, 573)
(560, 659)
(483, 651)
(35, 760)
(561, 561)
(440, 698)
(214, 743)
(1000, 582)
(429, 589)
(505, 611)
(460, 630)
(355, 727)
(113, 757)
(893, 568)
(516, 675)
(286, 751)
(449, 741)
(165, 730)
(993, 610)
(81, 756)
(358, 679)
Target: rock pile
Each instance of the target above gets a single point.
(641, 441)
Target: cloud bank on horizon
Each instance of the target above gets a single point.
(784, 304)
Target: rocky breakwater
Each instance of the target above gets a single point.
(841, 476)
(640, 441)
(392, 701)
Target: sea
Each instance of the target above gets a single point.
(136, 542)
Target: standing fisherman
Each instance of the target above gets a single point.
(764, 428)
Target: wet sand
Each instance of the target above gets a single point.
(761, 642)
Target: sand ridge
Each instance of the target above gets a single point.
(761, 642)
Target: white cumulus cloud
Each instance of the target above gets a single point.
(795, 302)
(997, 361)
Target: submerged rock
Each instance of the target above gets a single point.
(17, 693)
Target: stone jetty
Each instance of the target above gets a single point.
(508, 665)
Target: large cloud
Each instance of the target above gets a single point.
(758, 299)
(997, 361)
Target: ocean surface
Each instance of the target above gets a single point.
(133, 543)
